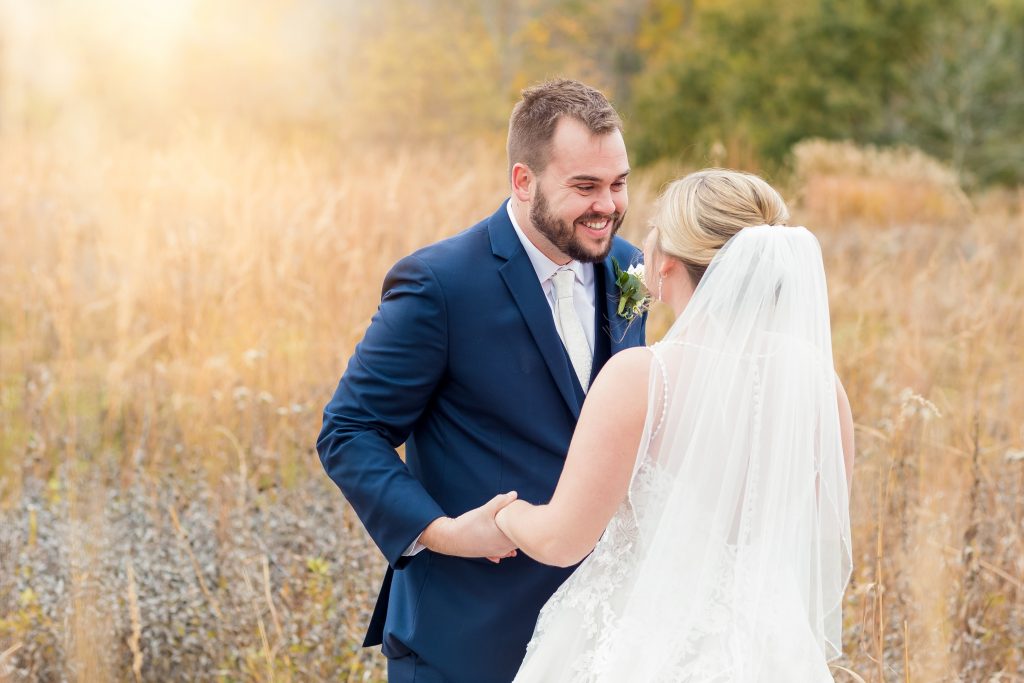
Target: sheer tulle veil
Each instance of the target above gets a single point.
(739, 495)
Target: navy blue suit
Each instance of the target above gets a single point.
(462, 363)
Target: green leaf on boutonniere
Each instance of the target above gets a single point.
(633, 295)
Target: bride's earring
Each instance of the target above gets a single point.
(661, 280)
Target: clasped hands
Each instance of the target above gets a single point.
(474, 533)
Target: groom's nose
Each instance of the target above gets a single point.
(604, 203)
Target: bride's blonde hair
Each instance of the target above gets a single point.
(698, 213)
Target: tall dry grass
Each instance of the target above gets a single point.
(840, 183)
(174, 315)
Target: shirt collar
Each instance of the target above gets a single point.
(543, 266)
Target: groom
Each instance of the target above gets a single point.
(478, 360)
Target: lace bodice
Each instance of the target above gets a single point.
(582, 634)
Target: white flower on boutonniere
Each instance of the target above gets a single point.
(633, 295)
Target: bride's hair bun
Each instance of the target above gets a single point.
(698, 213)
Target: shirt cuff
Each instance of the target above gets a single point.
(414, 547)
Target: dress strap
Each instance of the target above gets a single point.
(663, 398)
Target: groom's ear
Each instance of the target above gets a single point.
(522, 181)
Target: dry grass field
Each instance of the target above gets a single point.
(174, 315)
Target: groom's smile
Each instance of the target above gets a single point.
(587, 239)
(597, 227)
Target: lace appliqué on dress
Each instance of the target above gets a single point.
(707, 649)
(592, 590)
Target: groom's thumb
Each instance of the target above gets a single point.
(502, 499)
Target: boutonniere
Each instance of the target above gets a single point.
(633, 295)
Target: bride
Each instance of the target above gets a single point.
(709, 473)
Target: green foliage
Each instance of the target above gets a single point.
(633, 295)
(966, 97)
(734, 82)
(946, 75)
(727, 81)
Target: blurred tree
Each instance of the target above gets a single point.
(427, 69)
(594, 41)
(503, 20)
(423, 69)
(703, 72)
(754, 79)
(966, 99)
(706, 81)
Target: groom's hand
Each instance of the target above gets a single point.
(473, 533)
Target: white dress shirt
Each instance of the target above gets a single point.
(584, 298)
(584, 294)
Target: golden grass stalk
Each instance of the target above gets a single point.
(136, 624)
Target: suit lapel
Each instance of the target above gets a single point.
(612, 324)
(602, 343)
(521, 280)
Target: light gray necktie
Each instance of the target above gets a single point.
(569, 326)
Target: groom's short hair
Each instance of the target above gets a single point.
(535, 117)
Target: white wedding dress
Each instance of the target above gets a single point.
(728, 559)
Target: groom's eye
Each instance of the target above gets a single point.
(585, 188)
(619, 184)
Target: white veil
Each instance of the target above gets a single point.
(739, 496)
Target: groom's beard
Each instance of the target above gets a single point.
(563, 235)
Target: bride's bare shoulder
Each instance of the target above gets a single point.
(627, 369)
(631, 359)
(616, 405)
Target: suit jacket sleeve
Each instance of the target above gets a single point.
(390, 380)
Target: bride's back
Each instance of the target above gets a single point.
(728, 559)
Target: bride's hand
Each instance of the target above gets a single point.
(501, 518)
(497, 510)
(471, 534)
(510, 553)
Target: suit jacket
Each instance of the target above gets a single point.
(463, 364)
